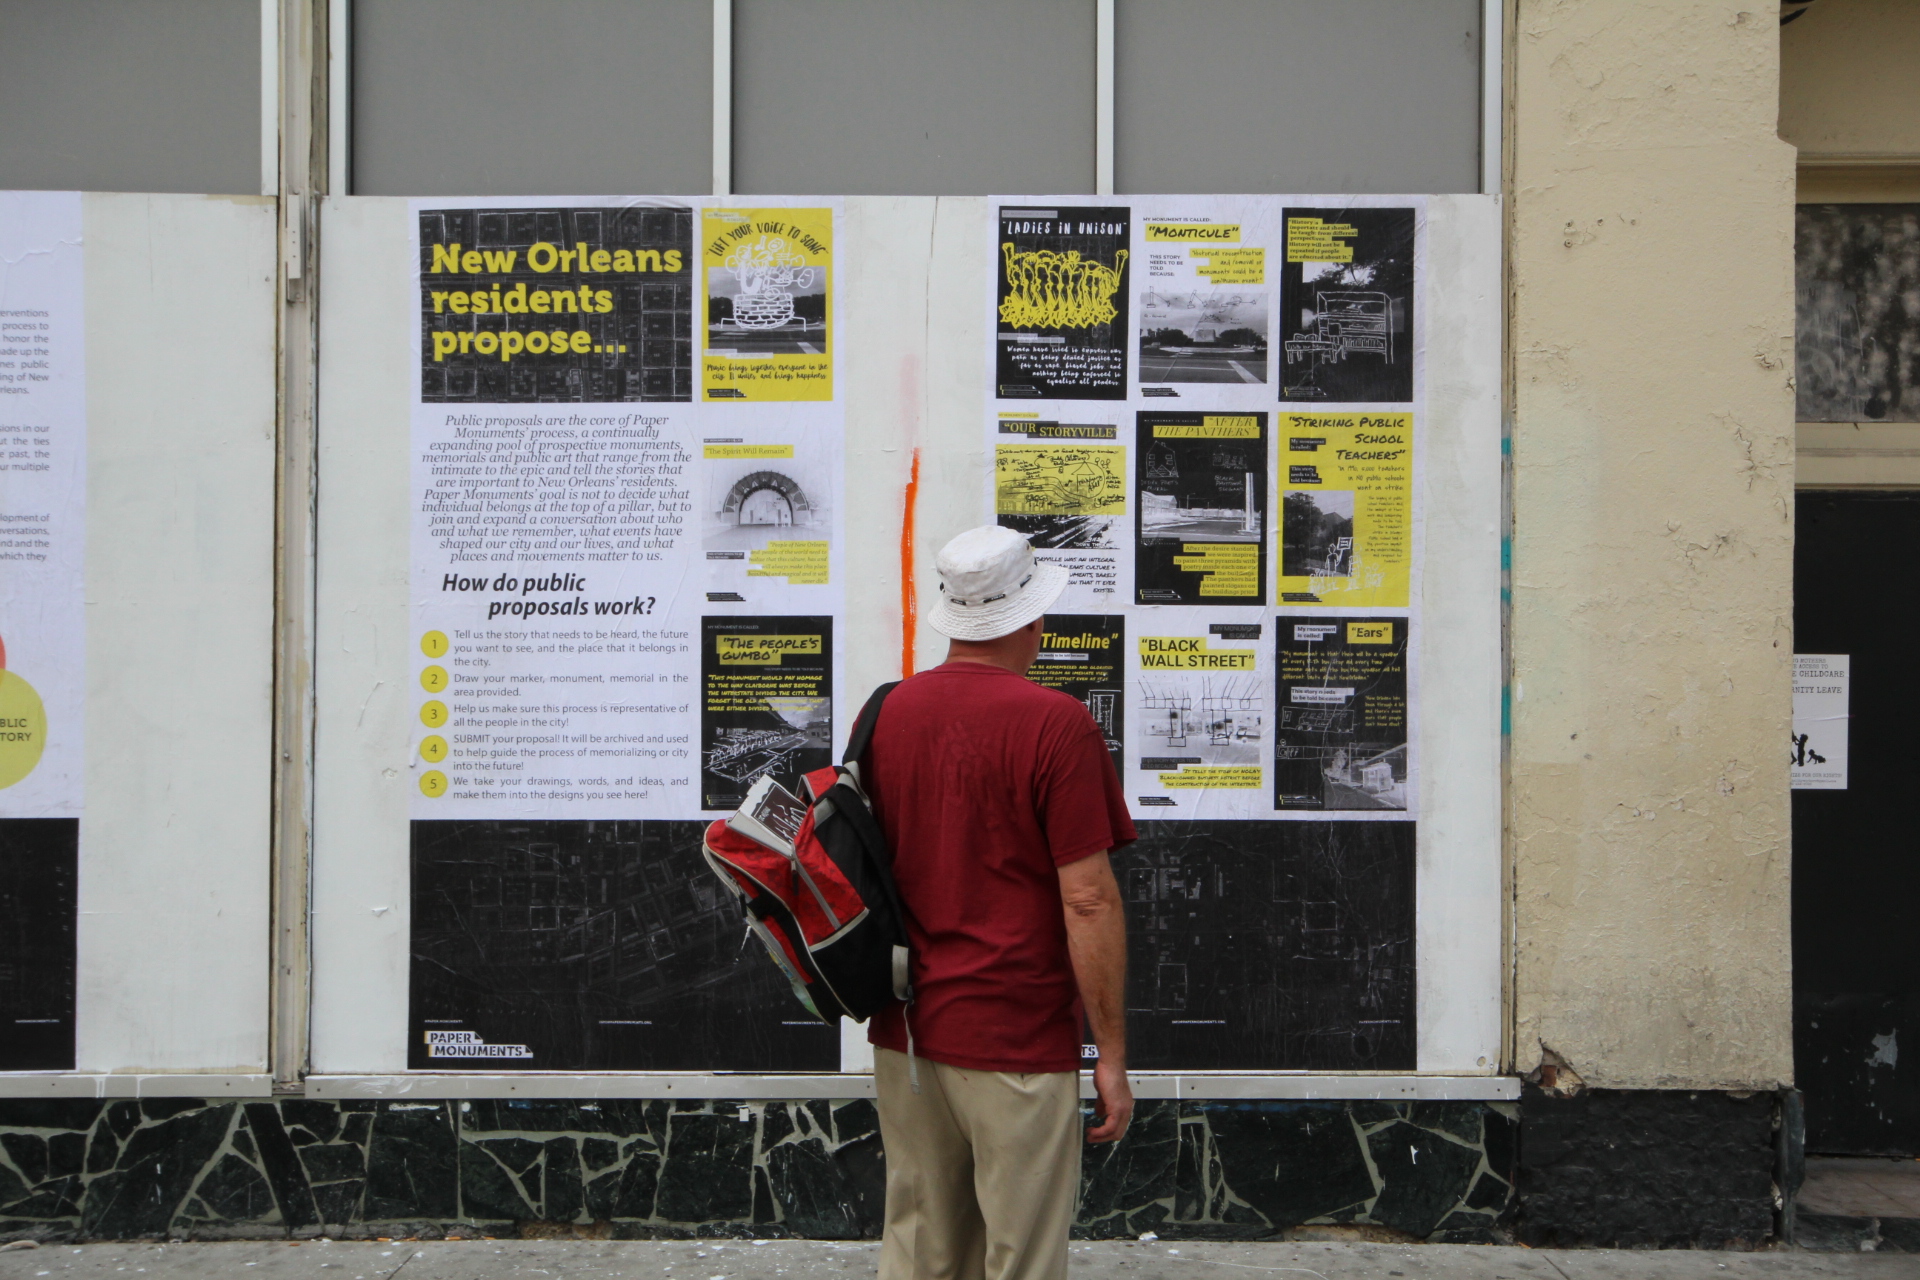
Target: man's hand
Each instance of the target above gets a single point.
(1116, 1102)
(1097, 943)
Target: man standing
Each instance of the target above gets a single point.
(1000, 804)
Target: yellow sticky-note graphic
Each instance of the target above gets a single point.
(1318, 240)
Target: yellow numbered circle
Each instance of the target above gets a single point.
(433, 784)
(433, 748)
(23, 728)
(434, 644)
(433, 679)
(434, 714)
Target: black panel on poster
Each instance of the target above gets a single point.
(39, 903)
(1282, 946)
(1061, 309)
(630, 303)
(766, 703)
(1346, 328)
(596, 946)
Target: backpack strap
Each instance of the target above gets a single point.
(862, 734)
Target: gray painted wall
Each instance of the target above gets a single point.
(503, 97)
(130, 95)
(913, 97)
(1297, 95)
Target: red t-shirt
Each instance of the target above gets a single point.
(985, 785)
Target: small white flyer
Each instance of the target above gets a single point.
(1820, 682)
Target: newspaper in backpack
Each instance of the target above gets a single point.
(815, 879)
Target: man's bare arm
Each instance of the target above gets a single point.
(1097, 942)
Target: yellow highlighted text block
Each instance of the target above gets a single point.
(748, 451)
(1211, 427)
(761, 651)
(1216, 777)
(1317, 240)
(1231, 266)
(801, 563)
(1190, 653)
(1231, 568)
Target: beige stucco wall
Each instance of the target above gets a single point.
(1651, 330)
(1850, 79)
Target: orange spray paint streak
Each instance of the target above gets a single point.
(909, 598)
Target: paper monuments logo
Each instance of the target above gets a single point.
(468, 1044)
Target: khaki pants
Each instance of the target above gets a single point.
(983, 1169)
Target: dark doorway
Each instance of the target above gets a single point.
(1856, 857)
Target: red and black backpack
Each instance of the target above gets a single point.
(829, 913)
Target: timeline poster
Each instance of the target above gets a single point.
(1346, 305)
(766, 704)
(1083, 655)
(1340, 738)
(43, 485)
(1201, 510)
(1061, 330)
(1346, 509)
(768, 316)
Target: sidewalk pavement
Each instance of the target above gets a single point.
(819, 1260)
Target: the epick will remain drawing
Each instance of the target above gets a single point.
(1048, 290)
(769, 272)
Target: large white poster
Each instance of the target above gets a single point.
(628, 484)
(43, 535)
(1207, 409)
(43, 436)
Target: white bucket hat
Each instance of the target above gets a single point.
(991, 586)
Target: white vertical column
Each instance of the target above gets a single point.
(269, 97)
(1103, 97)
(723, 97)
(339, 85)
(1493, 45)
